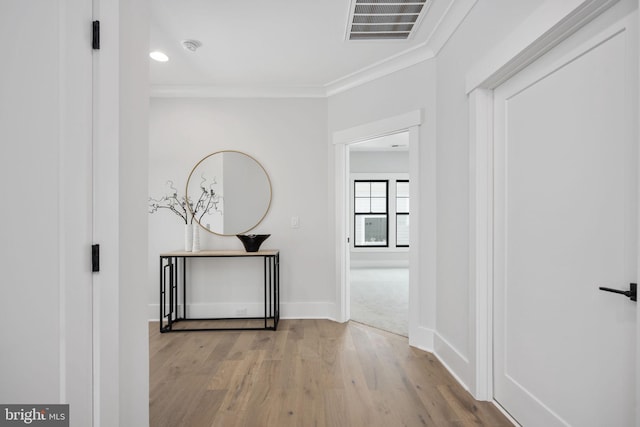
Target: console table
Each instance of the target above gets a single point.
(174, 287)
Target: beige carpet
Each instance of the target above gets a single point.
(380, 298)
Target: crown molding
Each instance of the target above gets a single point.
(380, 69)
(456, 12)
(545, 28)
(206, 91)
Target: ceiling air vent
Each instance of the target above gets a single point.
(385, 19)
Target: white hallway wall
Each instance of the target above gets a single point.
(292, 139)
(288, 137)
(488, 24)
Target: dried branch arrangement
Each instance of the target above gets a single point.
(183, 206)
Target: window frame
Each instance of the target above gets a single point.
(357, 214)
(399, 214)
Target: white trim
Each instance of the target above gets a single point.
(383, 263)
(450, 357)
(341, 141)
(638, 267)
(549, 25)
(481, 239)
(341, 195)
(382, 127)
(505, 413)
(63, 156)
(400, 61)
(288, 310)
(419, 260)
(423, 338)
(207, 91)
(307, 310)
(71, 160)
(106, 342)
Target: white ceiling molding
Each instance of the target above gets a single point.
(549, 25)
(380, 69)
(204, 91)
(455, 13)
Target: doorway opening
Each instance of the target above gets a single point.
(379, 247)
(342, 141)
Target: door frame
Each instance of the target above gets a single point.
(120, 344)
(341, 141)
(552, 23)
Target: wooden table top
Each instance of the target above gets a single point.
(220, 253)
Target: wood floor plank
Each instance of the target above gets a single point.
(242, 381)
(279, 342)
(308, 373)
(204, 410)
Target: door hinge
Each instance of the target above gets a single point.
(95, 43)
(95, 258)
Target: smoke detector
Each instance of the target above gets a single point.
(191, 45)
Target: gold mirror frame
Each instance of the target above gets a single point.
(268, 181)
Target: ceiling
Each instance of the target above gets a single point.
(285, 46)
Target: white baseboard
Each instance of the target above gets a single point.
(422, 338)
(288, 310)
(379, 263)
(452, 359)
(505, 413)
(307, 310)
(455, 362)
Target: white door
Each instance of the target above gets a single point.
(45, 218)
(565, 215)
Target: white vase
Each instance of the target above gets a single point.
(188, 237)
(196, 238)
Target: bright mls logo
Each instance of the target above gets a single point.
(34, 415)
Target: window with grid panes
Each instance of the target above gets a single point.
(371, 217)
(402, 213)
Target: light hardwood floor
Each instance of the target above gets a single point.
(307, 373)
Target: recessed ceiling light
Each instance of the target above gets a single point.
(158, 56)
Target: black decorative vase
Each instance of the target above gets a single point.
(252, 242)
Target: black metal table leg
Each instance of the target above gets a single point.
(162, 294)
(184, 288)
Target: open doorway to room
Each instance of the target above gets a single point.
(379, 229)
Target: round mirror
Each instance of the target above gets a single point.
(229, 192)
